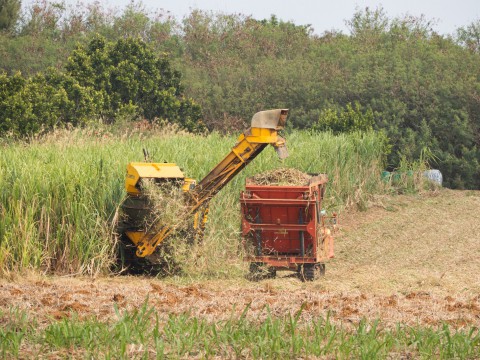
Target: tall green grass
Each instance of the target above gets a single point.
(59, 194)
(143, 334)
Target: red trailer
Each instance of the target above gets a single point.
(284, 228)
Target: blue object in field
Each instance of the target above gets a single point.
(386, 176)
(434, 176)
(395, 175)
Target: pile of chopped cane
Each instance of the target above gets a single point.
(281, 177)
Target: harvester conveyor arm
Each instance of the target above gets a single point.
(263, 131)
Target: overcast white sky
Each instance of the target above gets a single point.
(322, 14)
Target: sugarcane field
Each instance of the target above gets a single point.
(223, 185)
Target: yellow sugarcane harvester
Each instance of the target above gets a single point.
(139, 244)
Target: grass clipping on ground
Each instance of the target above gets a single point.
(281, 177)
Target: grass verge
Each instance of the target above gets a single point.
(141, 333)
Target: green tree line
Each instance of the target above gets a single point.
(396, 75)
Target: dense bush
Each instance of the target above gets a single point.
(32, 105)
(416, 85)
(9, 11)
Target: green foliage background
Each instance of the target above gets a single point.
(393, 74)
(103, 80)
(9, 11)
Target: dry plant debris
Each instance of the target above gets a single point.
(281, 177)
(167, 203)
(47, 299)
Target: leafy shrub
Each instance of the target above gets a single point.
(348, 119)
(127, 72)
(40, 103)
(103, 80)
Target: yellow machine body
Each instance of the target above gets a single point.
(136, 171)
(264, 130)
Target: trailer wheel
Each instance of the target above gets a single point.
(272, 272)
(311, 272)
(255, 271)
(260, 271)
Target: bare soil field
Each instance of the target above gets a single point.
(413, 259)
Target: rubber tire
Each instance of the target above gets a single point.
(311, 272)
(272, 272)
(260, 271)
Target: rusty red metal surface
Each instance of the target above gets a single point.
(283, 226)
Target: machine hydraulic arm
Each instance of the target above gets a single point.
(264, 131)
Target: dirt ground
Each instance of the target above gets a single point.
(409, 259)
